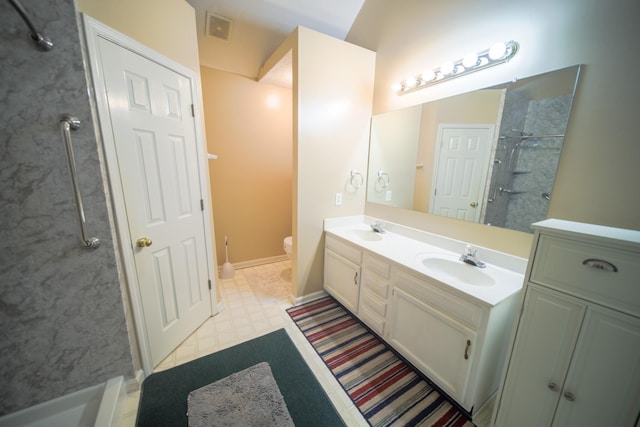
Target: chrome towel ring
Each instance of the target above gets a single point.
(357, 180)
(383, 179)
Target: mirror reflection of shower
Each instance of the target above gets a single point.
(528, 150)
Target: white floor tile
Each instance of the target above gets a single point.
(251, 309)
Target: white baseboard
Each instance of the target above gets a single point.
(308, 298)
(255, 262)
(135, 383)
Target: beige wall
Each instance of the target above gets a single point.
(476, 107)
(598, 169)
(392, 149)
(249, 128)
(333, 93)
(168, 27)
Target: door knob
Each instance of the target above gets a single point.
(473, 204)
(143, 242)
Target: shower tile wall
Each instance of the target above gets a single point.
(528, 166)
(515, 108)
(62, 319)
(539, 158)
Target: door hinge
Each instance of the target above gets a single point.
(201, 204)
(209, 284)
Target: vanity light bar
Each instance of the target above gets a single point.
(498, 53)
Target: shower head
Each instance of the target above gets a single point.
(43, 42)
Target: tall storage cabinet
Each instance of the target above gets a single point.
(575, 356)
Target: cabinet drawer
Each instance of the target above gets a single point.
(565, 265)
(374, 304)
(377, 265)
(455, 307)
(349, 252)
(374, 284)
(372, 320)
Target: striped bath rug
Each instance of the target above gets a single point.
(387, 390)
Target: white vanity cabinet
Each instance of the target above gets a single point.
(342, 272)
(457, 343)
(575, 356)
(374, 292)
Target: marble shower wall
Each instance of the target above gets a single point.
(515, 108)
(527, 166)
(62, 319)
(537, 162)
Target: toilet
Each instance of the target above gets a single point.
(288, 243)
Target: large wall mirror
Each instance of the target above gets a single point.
(488, 156)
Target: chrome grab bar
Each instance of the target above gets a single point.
(67, 124)
(495, 189)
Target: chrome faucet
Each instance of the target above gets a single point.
(470, 257)
(377, 227)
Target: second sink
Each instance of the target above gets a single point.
(450, 267)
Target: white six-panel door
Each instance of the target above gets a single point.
(462, 162)
(152, 126)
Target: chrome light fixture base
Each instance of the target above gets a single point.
(497, 54)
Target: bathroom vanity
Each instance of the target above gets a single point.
(451, 320)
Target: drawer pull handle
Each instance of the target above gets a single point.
(355, 279)
(466, 350)
(553, 386)
(569, 396)
(600, 264)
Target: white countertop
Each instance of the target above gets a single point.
(407, 247)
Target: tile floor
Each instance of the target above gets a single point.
(254, 304)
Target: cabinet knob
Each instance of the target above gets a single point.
(569, 396)
(552, 386)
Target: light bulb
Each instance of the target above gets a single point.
(497, 51)
(470, 60)
(446, 68)
(396, 87)
(428, 75)
(411, 82)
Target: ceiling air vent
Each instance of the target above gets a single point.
(218, 26)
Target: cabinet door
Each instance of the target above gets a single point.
(603, 384)
(342, 279)
(439, 346)
(546, 336)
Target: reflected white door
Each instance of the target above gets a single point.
(462, 163)
(154, 132)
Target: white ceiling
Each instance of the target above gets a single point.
(259, 26)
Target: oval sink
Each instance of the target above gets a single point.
(367, 235)
(450, 267)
